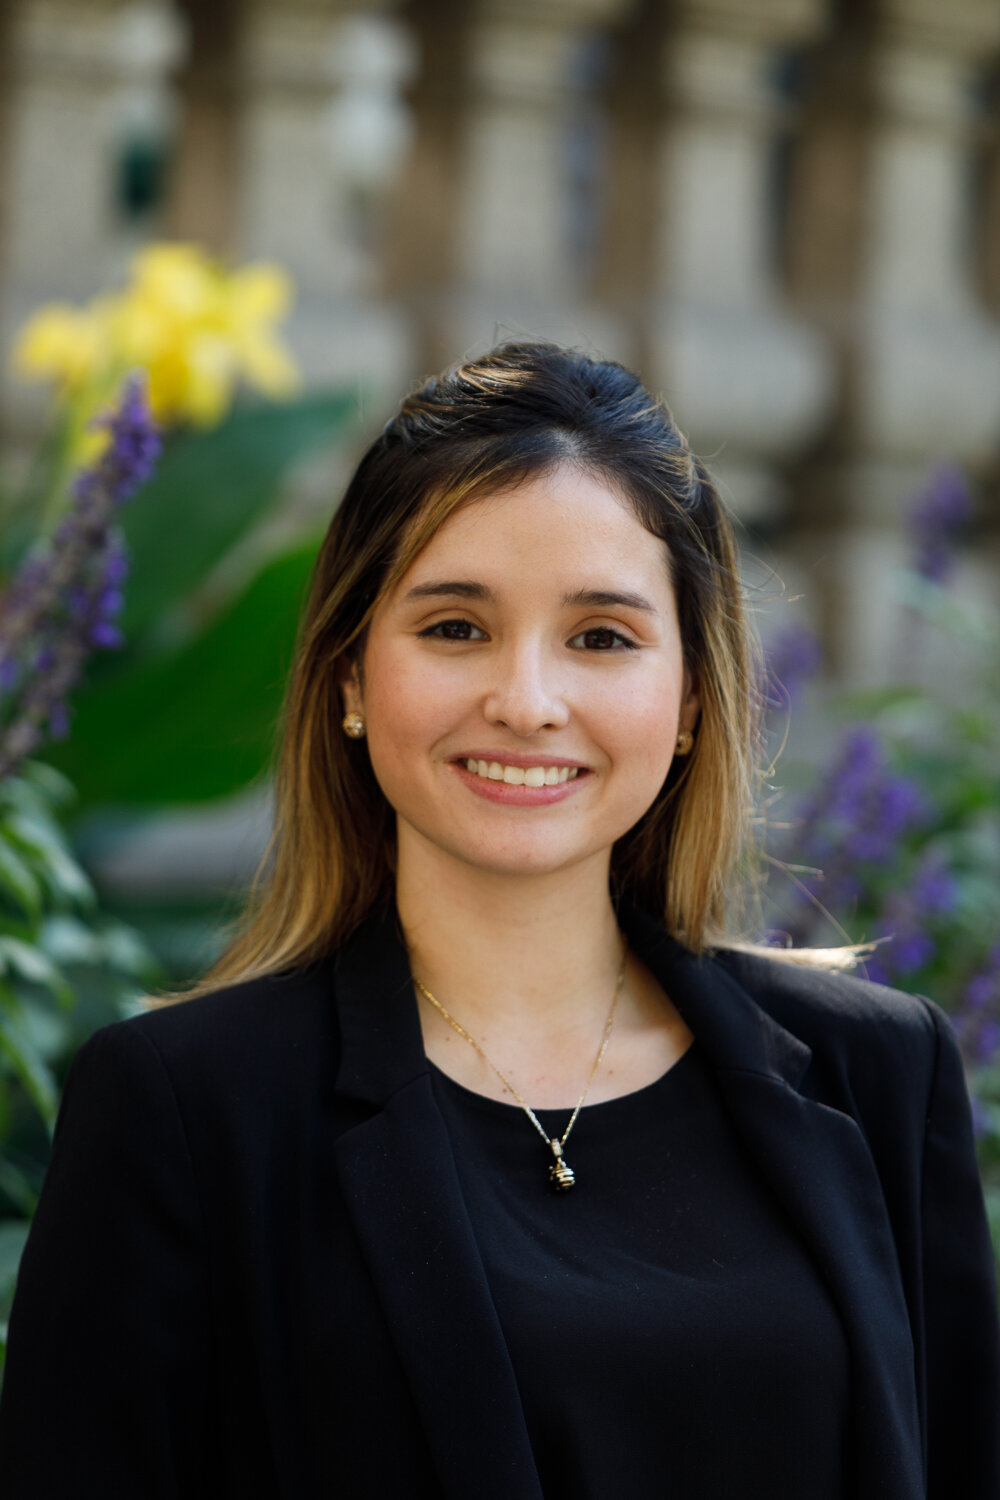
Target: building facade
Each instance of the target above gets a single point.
(784, 213)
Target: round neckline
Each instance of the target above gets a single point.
(501, 1109)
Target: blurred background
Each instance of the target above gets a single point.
(785, 214)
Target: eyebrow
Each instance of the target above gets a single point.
(593, 598)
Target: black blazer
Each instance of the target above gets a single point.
(252, 1274)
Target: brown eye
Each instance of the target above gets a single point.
(453, 630)
(602, 638)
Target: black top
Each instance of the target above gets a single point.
(665, 1285)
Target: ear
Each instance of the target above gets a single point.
(690, 702)
(349, 684)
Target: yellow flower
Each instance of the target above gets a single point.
(195, 327)
(258, 296)
(60, 343)
(178, 279)
(199, 331)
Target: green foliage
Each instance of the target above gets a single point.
(210, 488)
(197, 722)
(64, 969)
(186, 711)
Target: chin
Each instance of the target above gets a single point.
(529, 861)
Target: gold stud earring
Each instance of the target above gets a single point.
(685, 743)
(354, 726)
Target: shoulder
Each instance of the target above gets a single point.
(259, 1034)
(862, 1033)
(832, 1000)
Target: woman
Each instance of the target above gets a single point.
(481, 1165)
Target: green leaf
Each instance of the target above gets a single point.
(18, 1187)
(31, 1069)
(17, 879)
(13, 1234)
(54, 786)
(41, 838)
(209, 489)
(25, 930)
(197, 724)
(31, 964)
(67, 940)
(124, 951)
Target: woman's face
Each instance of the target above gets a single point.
(523, 684)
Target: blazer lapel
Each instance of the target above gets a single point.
(403, 1193)
(817, 1162)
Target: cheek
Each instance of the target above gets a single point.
(408, 706)
(642, 720)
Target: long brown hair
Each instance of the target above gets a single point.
(484, 426)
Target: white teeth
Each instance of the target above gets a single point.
(492, 770)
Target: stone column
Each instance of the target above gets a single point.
(626, 271)
(750, 383)
(324, 138)
(928, 386)
(202, 202)
(988, 176)
(420, 241)
(517, 268)
(6, 115)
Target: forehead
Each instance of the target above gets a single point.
(566, 525)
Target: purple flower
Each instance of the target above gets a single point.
(987, 1043)
(979, 992)
(110, 601)
(58, 721)
(791, 658)
(982, 1124)
(912, 950)
(106, 635)
(852, 829)
(61, 602)
(935, 518)
(877, 971)
(934, 888)
(863, 807)
(977, 1016)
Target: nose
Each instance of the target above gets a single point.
(525, 694)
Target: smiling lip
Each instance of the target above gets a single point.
(513, 758)
(521, 796)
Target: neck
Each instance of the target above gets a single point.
(539, 953)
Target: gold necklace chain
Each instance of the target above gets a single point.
(561, 1174)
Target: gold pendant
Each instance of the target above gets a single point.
(561, 1173)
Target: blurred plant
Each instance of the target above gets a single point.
(64, 968)
(897, 838)
(62, 602)
(184, 709)
(184, 672)
(794, 655)
(54, 612)
(936, 517)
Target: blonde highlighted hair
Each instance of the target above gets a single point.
(481, 427)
